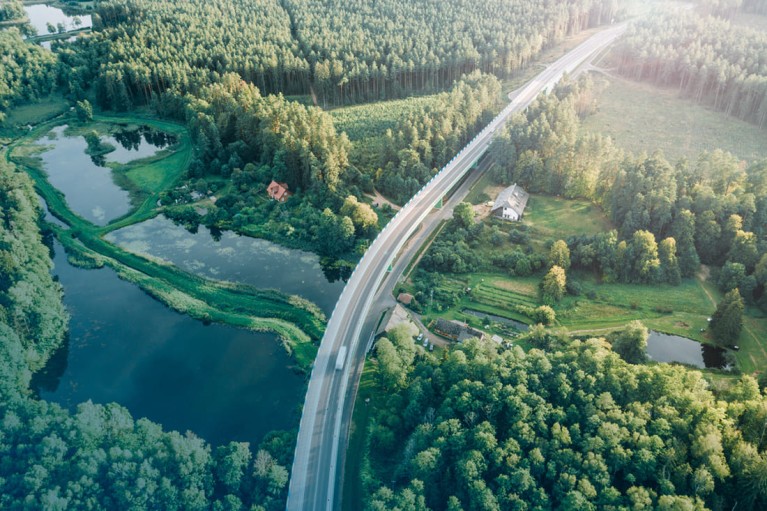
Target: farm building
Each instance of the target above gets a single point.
(511, 203)
(456, 330)
(278, 191)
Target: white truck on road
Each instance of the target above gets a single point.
(341, 359)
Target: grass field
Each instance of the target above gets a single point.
(556, 218)
(601, 307)
(19, 117)
(641, 117)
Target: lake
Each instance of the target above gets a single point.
(40, 15)
(229, 256)
(86, 181)
(673, 348)
(222, 383)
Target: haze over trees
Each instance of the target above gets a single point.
(338, 51)
(706, 59)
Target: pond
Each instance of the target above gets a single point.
(40, 15)
(673, 348)
(86, 181)
(222, 383)
(229, 256)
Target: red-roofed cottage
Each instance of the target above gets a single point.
(278, 191)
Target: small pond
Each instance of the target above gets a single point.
(86, 181)
(222, 383)
(135, 144)
(673, 348)
(229, 256)
(40, 15)
(498, 319)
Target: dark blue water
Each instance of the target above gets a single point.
(221, 383)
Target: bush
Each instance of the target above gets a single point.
(574, 288)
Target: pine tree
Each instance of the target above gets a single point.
(727, 321)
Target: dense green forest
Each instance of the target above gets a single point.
(97, 457)
(32, 317)
(11, 10)
(575, 428)
(423, 142)
(712, 210)
(337, 51)
(707, 59)
(28, 71)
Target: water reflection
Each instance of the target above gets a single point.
(673, 348)
(229, 256)
(44, 18)
(220, 382)
(85, 179)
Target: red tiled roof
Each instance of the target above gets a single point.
(278, 191)
(405, 298)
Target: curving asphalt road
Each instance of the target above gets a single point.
(323, 433)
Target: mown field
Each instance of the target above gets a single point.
(553, 218)
(641, 117)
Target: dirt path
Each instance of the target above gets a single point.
(592, 330)
(702, 277)
(381, 200)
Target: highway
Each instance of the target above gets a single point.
(323, 432)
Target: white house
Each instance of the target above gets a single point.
(510, 204)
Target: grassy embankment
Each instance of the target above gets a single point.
(31, 114)
(295, 320)
(353, 490)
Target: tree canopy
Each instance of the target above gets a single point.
(573, 429)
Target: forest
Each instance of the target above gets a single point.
(29, 71)
(711, 211)
(574, 427)
(706, 59)
(337, 51)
